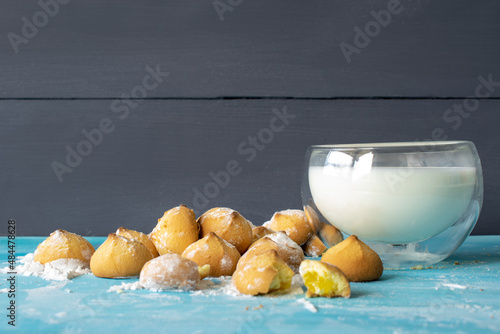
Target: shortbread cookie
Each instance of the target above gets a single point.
(229, 225)
(139, 236)
(216, 252)
(286, 248)
(170, 271)
(176, 230)
(119, 257)
(62, 244)
(359, 262)
(259, 232)
(314, 246)
(294, 223)
(263, 273)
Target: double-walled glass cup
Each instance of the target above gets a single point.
(413, 203)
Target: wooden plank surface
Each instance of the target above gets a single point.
(164, 151)
(459, 294)
(261, 48)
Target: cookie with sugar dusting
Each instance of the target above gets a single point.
(176, 230)
(263, 273)
(229, 225)
(119, 257)
(259, 232)
(216, 252)
(62, 244)
(170, 272)
(286, 248)
(314, 246)
(294, 223)
(139, 236)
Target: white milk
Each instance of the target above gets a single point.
(392, 205)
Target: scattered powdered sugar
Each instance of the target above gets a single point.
(314, 251)
(452, 286)
(220, 286)
(58, 270)
(226, 263)
(297, 282)
(64, 269)
(299, 214)
(217, 287)
(4, 290)
(221, 212)
(61, 314)
(308, 305)
(283, 239)
(289, 250)
(222, 215)
(87, 253)
(130, 243)
(126, 286)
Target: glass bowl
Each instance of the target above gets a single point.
(413, 203)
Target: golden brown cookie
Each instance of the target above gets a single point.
(286, 248)
(62, 244)
(139, 236)
(293, 222)
(216, 252)
(176, 230)
(330, 235)
(263, 273)
(229, 225)
(259, 232)
(359, 262)
(312, 218)
(119, 257)
(314, 246)
(170, 271)
(324, 280)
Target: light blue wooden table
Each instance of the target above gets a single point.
(459, 295)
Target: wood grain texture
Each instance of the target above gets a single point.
(164, 150)
(447, 298)
(262, 48)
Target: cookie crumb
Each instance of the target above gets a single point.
(419, 267)
(457, 263)
(258, 307)
(246, 308)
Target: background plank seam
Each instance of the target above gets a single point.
(347, 98)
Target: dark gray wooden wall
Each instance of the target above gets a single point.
(226, 80)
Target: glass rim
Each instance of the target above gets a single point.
(391, 144)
